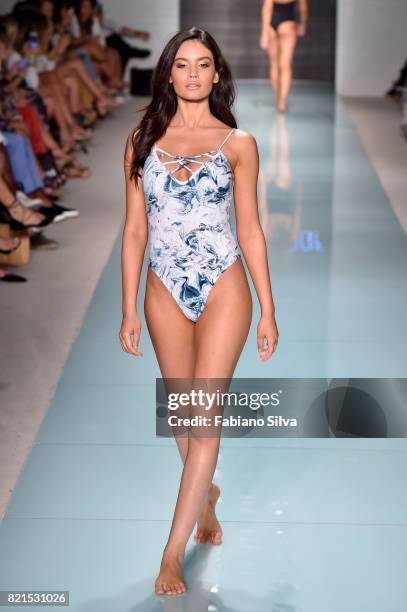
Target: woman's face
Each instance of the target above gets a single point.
(193, 71)
(85, 10)
(11, 35)
(47, 9)
(65, 17)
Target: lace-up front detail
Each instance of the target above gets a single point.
(184, 161)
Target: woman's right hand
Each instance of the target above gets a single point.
(131, 327)
(63, 43)
(264, 40)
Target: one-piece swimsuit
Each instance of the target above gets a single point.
(191, 239)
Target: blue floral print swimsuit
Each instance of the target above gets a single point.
(191, 240)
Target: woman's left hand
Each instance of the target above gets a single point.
(267, 328)
(300, 29)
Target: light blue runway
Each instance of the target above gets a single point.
(310, 525)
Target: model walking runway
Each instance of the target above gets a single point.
(93, 507)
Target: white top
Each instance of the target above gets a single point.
(96, 29)
(43, 64)
(31, 75)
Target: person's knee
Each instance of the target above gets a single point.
(274, 68)
(75, 62)
(70, 81)
(112, 52)
(284, 66)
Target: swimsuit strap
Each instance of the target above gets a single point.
(207, 153)
(230, 133)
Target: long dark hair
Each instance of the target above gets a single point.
(162, 108)
(85, 25)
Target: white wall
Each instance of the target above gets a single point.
(6, 6)
(160, 17)
(371, 45)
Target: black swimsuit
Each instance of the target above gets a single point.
(282, 11)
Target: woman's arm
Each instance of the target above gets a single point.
(12, 84)
(135, 237)
(126, 31)
(266, 14)
(303, 11)
(77, 38)
(59, 48)
(250, 235)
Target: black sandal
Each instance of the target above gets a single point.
(8, 219)
(10, 277)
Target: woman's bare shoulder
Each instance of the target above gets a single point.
(244, 139)
(245, 145)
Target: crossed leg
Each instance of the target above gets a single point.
(208, 349)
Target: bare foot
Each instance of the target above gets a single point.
(8, 245)
(105, 104)
(40, 193)
(80, 133)
(24, 215)
(170, 580)
(209, 530)
(120, 84)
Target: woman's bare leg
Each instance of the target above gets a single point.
(6, 171)
(47, 137)
(76, 66)
(57, 108)
(115, 62)
(70, 126)
(53, 108)
(273, 61)
(287, 39)
(174, 344)
(57, 92)
(179, 362)
(20, 212)
(218, 338)
(73, 94)
(105, 71)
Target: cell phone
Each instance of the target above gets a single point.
(23, 63)
(33, 40)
